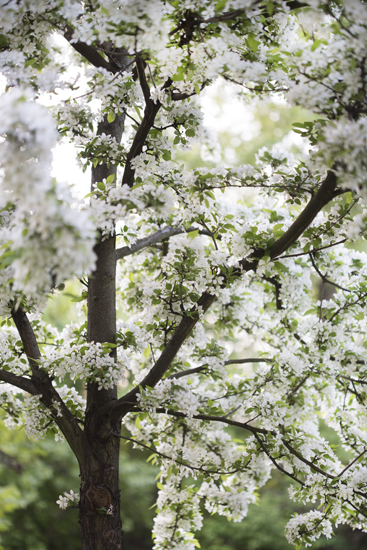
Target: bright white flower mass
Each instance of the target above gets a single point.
(240, 290)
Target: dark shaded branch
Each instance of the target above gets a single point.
(248, 360)
(292, 391)
(322, 197)
(255, 431)
(363, 382)
(44, 388)
(351, 463)
(212, 418)
(150, 112)
(140, 66)
(324, 277)
(28, 338)
(18, 381)
(305, 461)
(306, 217)
(313, 250)
(90, 53)
(276, 464)
(277, 287)
(227, 16)
(204, 368)
(120, 408)
(187, 372)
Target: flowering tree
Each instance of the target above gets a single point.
(196, 264)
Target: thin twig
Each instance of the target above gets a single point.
(351, 464)
(163, 455)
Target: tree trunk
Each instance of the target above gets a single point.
(99, 513)
(100, 497)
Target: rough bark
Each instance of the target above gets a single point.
(99, 512)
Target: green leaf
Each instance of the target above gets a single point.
(219, 6)
(277, 227)
(193, 234)
(110, 178)
(178, 76)
(252, 42)
(3, 41)
(270, 8)
(101, 186)
(138, 111)
(111, 116)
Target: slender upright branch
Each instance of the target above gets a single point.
(150, 112)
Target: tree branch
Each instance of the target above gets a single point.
(176, 460)
(316, 203)
(158, 236)
(322, 197)
(90, 53)
(121, 407)
(187, 372)
(274, 461)
(204, 368)
(140, 67)
(212, 418)
(18, 381)
(48, 395)
(150, 112)
(255, 431)
(324, 277)
(248, 360)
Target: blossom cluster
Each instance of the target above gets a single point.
(67, 499)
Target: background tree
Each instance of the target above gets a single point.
(194, 267)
